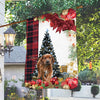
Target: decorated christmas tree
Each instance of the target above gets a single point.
(47, 48)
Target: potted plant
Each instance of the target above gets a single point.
(95, 90)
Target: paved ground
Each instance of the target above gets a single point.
(74, 98)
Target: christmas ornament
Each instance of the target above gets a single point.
(64, 12)
(27, 84)
(56, 82)
(33, 86)
(60, 79)
(68, 14)
(71, 14)
(66, 87)
(73, 83)
(41, 87)
(63, 83)
(46, 83)
(52, 80)
(35, 19)
(39, 82)
(74, 35)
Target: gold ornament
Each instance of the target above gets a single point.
(60, 79)
(74, 35)
(30, 87)
(27, 84)
(66, 87)
(75, 72)
(34, 77)
(63, 68)
(35, 19)
(33, 86)
(71, 75)
(71, 63)
(65, 12)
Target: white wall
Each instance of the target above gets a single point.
(15, 72)
(2, 14)
(85, 92)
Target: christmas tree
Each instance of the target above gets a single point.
(47, 48)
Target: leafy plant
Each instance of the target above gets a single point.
(87, 76)
(95, 90)
(9, 90)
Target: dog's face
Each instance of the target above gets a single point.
(47, 59)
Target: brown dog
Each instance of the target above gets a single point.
(44, 66)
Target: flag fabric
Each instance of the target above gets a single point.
(32, 48)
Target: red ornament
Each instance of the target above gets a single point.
(71, 14)
(56, 82)
(73, 83)
(42, 17)
(67, 80)
(33, 82)
(52, 80)
(39, 82)
(41, 87)
(46, 83)
(63, 83)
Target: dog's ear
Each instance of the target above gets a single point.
(53, 60)
(40, 61)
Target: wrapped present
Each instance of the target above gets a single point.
(63, 68)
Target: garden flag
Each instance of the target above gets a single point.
(51, 60)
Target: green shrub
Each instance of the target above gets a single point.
(95, 90)
(87, 76)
